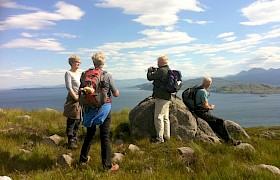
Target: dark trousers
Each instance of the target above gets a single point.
(217, 124)
(105, 143)
(72, 127)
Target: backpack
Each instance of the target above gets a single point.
(93, 79)
(189, 96)
(174, 81)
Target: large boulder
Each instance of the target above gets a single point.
(183, 124)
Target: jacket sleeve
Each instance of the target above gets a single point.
(68, 81)
(159, 74)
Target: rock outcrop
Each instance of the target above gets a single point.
(183, 125)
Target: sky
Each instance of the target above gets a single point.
(200, 37)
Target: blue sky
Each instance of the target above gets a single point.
(200, 37)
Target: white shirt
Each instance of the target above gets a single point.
(72, 81)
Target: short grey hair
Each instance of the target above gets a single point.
(98, 59)
(207, 80)
(73, 58)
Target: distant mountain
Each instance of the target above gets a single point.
(257, 75)
(224, 86)
(130, 82)
(27, 87)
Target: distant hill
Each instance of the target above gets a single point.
(130, 82)
(124, 83)
(224, 86)
(257, 75)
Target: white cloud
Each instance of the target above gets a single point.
(153, 13)
(227, 34)
(38, 44)
(14, 5)
(61, 35)
(228, 39)
(269, 54)
(190, 21)
(157, 20)
(25, 75)
(238, 46)
(28, 35)
(154, 37)
(275, 33)
(22, 69)
(67, 52)
(68, 11)
(169, 28)
(214, 64)
(262, 12)
(42, 19)
(65, 35)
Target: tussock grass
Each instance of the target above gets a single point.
(218, 161)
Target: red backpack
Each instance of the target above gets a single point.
(93, 79)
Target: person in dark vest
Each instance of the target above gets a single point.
(99, 61)
(203, 111)
(162, 99)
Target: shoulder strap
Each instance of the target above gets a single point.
(195, 92)
(102, 75)
(82, 78)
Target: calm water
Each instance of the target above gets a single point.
(248, 110)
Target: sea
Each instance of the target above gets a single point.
(248, 110)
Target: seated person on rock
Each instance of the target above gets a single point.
(203, 111)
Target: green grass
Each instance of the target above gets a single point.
(162, 161)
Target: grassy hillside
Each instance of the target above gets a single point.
(162, 161)
(225, 86)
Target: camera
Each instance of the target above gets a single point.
(152, 69)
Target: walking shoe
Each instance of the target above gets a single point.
(85, 162)
(114, 167)
(156, 141)
(71, 144)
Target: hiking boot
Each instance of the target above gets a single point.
(156, 141)
(71, 144)
(114, 167)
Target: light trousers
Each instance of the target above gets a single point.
(161, 119)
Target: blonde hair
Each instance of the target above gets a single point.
(98, 59)
(163, 60)
(73, 58)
